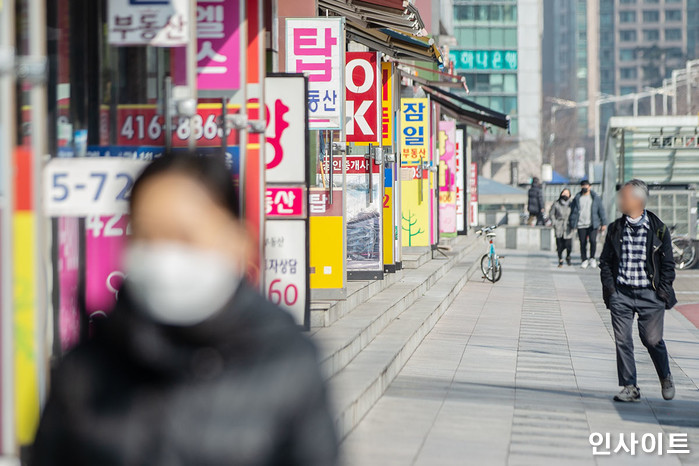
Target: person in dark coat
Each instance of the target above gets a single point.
(559, 213)
(587, 217)
(193, 366)
(535, 204)
(637, 271)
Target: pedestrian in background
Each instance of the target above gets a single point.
(587, 216)
(637, 271)
(193, 366)
(536, 206)
(559, 214)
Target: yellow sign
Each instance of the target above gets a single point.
(326, 258)
(26, 377)
(414, 130)
(415, 212)
(387, 103)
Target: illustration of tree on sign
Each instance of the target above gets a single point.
(412, 221)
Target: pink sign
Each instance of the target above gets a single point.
(285, 202)
(218, 46)
(447, 177)
(105, 241)
(68, 256)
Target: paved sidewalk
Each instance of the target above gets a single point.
(520, 373)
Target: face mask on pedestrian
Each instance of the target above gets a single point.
(177, 284)
(585, 189)
(565, 198)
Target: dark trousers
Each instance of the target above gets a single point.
(538, 216)
(564, 244)
(585, 234)
(624, 303)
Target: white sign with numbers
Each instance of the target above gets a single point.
(286, 271)
(83, 186)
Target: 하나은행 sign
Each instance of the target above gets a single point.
(316, 47)
(363, 106)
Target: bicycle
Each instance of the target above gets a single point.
(490, 262)
(684, 251)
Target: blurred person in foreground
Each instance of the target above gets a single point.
(559, 214)
(587, 216)
(637, 271)
(193, 366)
(535, 203)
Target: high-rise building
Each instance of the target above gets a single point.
(619, 47)
(498, 51)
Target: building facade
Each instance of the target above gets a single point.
(498, 51)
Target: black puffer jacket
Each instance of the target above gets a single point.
(535, 202)
(242, 388)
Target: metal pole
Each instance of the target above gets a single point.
(665, 99)
(243, 132)
(192, 47)
(635, 105)
(598, 103)
(674, 92)
(688, 97)
(7, 147)
(652, 103)
(37, 51)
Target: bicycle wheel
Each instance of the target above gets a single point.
(488, 268)
(684, 253)
(497, 273)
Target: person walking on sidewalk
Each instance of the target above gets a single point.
(559, 214)
(637, 271)
(588, 217)
(535, 205)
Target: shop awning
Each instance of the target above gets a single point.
(468, 102)
(457, 110)
(395, 44)
(376, 14)
(393, 27)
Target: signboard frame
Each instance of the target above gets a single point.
(333, 121)
(292, 182)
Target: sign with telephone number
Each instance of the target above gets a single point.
(286, 278)
(81, 187)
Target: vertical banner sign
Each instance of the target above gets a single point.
(154, 23)
(286, 250)
(446, 138)
(387, 103)
(415, 150)
(105, 240)
(460, 180)
(316, 47)
(362, 106)
(25, 291)
(473, 188)
(218, 44)
(67, 267)
(218, 47)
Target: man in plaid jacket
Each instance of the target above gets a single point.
(637, 271)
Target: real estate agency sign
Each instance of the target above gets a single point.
(363, 97)
(286, 205)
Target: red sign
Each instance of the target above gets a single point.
(355, 165)
(285, 202)
(141, 125)
(363, 99)
(473, 187)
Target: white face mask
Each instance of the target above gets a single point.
(177, 284)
